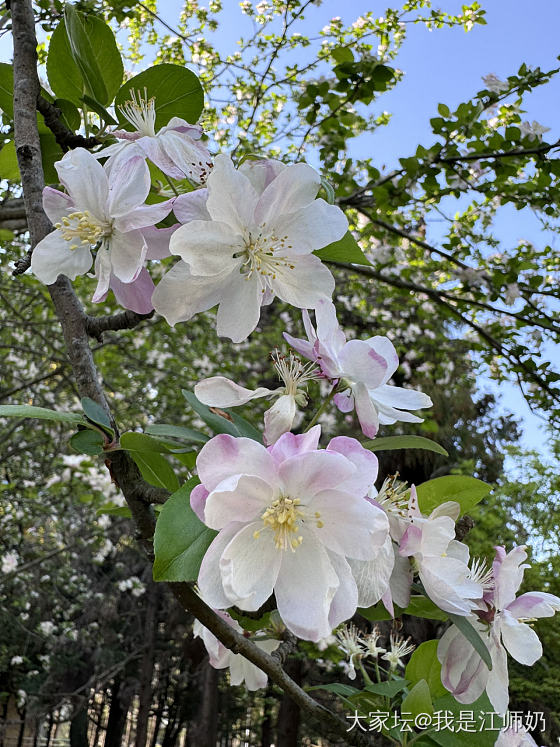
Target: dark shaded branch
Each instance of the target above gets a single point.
(12, 215)
(96, 325)
(64, 137)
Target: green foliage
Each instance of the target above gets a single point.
(344, 250)
(464, 490)
(418, 700)
(154, 467)
(42, 413)
(87, 442)
(424, 666)
(180, 539)
(390, 443)
(176, 90)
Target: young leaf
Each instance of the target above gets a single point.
(344, 250)
(42, 413)
(336, 687)
(389, 443)
(473, 638)
(424, 665)
(217, 423)
(181, 539)
(418, 700)
(96, 414)
(83, 55)
(176, 90)
(466, 491)
(87, 442)
(388, 689)
(480, 737)
(9, 168)
(154, 468)
(177, 431)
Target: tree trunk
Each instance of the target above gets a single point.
(203, 729)
(117, 715)
(147, 667)
(289, 716)
(79, 727)
(267, 736)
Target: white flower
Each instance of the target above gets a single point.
(175, 148)
(105, 211)
(512, 294)
(249, 238)
(363, 368)
(399, 649)
(46, 627)
(218, 391)
(9, 562)
(494, 84)
(288, 518)
(370, 643)
(241, 670)
(502, 621)
(350, 644)
(534, 130)
(15, 660)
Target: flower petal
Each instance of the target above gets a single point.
(237, 498)
(360, 363)
(364, 460)
(136, 295)
(345, 600)
(304, 475)
(291, 444)
(180, 295)
(188, 155)
(224, 456)
(53, 257)
(520, 640)
(279, 418)
(293, 188)
(240, 308)
(305, 589)
(365, 410)
(312, 227)
(207, 246)
(304, 286)
(128, 252)
(534, 604)
(497, 687)
(231, 196)
(128, 187)
(249, 566)
(372, 576)
(508, 574)
(157, 240)
(145, 216)
(56, 204)
(217, 391)
(85, 180)
(191, 206)
(198, 497)
(210, 576)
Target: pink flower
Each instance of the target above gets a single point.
(289, 518)
(363, 368)
(501, 620)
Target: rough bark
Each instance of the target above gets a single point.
(203, 729)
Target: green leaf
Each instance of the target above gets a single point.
(418, 700)
(424, 665)
(176, 90)
(342, 54)
(389, 443)
(421, 606)
(244, 427)
(181, 539)
(63, 73)
(443, 109)
(388, 689)
(345, 250)
(42, 413)
(50, 152)
(375, 612)
(9, 168)
(154, 468)
(82, 53)
(177, 431)
(329, 191)
(466, 491)
(248, 623)
(113, 510)
(96, 414)
(473, 638)
(87, 442)
(7, 89)
(70, 114)
(216, 423)
(447, 738)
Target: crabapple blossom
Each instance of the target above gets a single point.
(289, 516)
(104, 210)
(9, 562)
(362, 369)
(249, 237)
(441, 561)
(241, 670)
(494, 84)
(175, 149)
(218, 391)
(501, 620)
(399, 649)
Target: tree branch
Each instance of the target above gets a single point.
(74, 325)
(96, 325)
(64, 137)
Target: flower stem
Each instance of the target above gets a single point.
(173, 187)
(322, 407)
